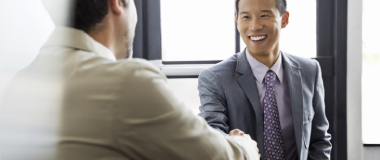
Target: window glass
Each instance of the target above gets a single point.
(370, 74)
(207, 33)
(197, 29)
(300, 36)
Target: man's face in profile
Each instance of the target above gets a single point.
(128, 27)
(259, 23)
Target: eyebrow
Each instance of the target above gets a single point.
(244, 12)
(266, 11)
(270, 11)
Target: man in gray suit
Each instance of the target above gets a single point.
(275, 97)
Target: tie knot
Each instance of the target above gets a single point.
(270, 78)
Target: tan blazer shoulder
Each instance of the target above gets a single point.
(75, 101)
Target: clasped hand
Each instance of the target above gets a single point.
(237, 132)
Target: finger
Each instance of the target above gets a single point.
(235, 132)
(232, 132)
(240, 132)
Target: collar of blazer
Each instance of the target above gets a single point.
(243, 65)
(77, 39)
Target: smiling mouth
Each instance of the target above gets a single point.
(258, 38)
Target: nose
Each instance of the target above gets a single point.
(256, 25)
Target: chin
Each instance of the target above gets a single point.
(258, 52)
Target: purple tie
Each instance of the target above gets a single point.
(273, 146)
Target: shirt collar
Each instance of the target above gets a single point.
(259, 70)
(108, 53)
(73, 38)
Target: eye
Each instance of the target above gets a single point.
(244, 17)
(264, 16)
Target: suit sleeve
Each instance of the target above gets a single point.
(213, 105)
(320, 146)
(154, 124)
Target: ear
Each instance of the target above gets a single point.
(237, 21)
(116, 6)
(285, 20)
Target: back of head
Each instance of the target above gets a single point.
(90, 12)
(103, 20)
(79, 14)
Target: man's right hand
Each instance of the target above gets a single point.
(237, 132)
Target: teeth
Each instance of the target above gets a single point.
(258, 38)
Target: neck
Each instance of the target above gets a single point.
(104, 34)
(267, 59)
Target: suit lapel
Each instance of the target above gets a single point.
(293, 75)
(248, 84)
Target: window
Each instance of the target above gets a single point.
(197, 30)
(370, 73)
(207, 33)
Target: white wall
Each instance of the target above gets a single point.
(24, 27)
(371, 153)
(187, 90)
(60, 11)
(354, 72)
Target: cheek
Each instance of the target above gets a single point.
(242, 29)
(274, 26)
(274, 23)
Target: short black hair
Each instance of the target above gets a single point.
(280, 4)
(90, 12)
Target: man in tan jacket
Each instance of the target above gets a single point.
(81, 100)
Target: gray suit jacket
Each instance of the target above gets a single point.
(230, 100)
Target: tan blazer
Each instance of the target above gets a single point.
(76, 102)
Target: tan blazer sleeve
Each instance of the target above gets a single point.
(152, 123)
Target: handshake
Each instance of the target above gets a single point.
(239, 133)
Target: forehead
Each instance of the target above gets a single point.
(257, 5)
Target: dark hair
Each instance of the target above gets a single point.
(280, 4)
(90, 12)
